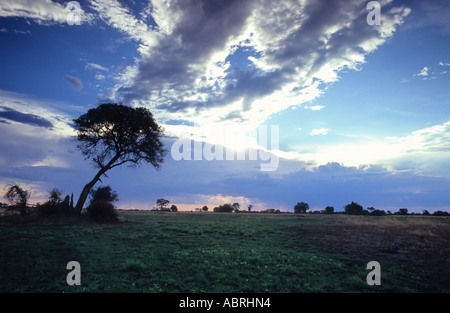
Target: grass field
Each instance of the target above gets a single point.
(224, 252)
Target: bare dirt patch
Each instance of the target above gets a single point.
(416, 241)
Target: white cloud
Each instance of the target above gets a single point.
(100, 76)
(319, 131)
(315, 107)
(120, 17)
(45, 12)
(423, 72)
(425, 151)
(94, 66)
(444, 64)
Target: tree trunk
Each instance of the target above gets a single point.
(85, 192)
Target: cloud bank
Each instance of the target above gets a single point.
(242, 61)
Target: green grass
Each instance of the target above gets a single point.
(193, 252)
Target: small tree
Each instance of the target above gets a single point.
(250, 207)
(161, 204)
(236, 206)
(55, 197)
(54, 203)
(353, 209)
(174, 208)
(205, 208)
(329, 210)
(18, 198)
(301, 207)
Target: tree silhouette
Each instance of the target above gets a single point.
(104, 193)
(353, 208)
(17, 197)
(224, 208)
(115, 134)
(161, 203)
(301, 207)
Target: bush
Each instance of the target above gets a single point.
(441, 213)
(55, 205)
(103, 194)
(47, 208)
(377, 213)
(103, 212)
(224, 208)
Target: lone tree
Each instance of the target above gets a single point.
(115, 134)
(301, 207)
(161, 204)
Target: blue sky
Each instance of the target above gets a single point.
(363, 111)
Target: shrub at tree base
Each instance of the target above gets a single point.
(102, 212)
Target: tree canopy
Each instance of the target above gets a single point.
(301, 207)
(353, 208)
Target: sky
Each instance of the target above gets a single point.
(304, 100)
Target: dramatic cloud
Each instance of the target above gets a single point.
(242, 61)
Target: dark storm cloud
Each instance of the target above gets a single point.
(24, 118)
(293, 44)
(176, 63)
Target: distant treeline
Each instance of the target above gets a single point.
(354, 208)
(101, 206)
